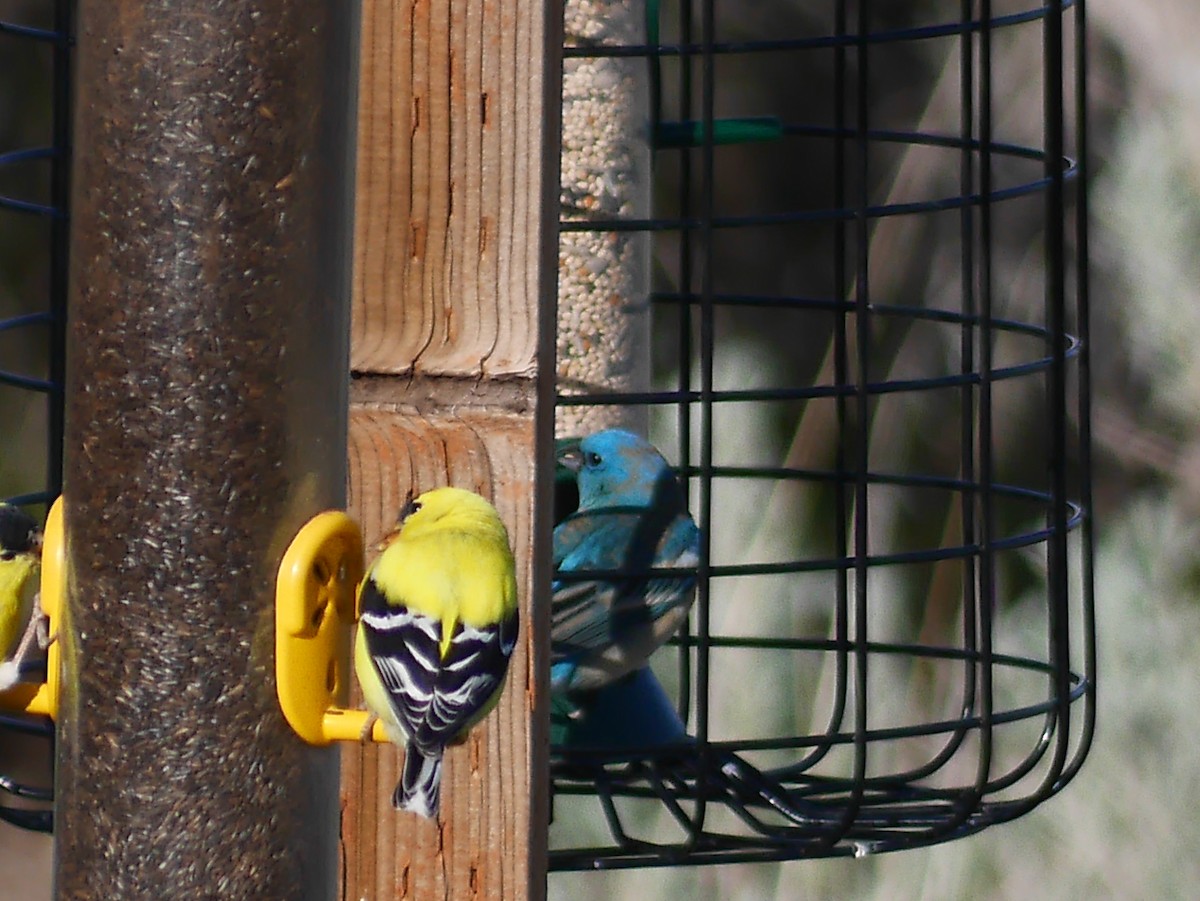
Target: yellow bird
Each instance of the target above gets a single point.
(20, 566)
(437, 627)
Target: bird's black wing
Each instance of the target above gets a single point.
(404, 646)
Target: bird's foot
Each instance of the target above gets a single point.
(35, 633)
(368, 728)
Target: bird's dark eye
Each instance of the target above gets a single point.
(7, 555)
(409, 509)
(594, 459)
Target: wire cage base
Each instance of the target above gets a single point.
(870, 226)
(685, 804)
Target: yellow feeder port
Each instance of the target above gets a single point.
(315, 597)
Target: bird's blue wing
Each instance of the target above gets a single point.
(590, 614)
(581, 609)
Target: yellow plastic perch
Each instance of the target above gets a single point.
(43, 699)
(315, 596)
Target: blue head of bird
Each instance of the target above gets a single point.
(615, 468)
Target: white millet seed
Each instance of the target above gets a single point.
(604, 277)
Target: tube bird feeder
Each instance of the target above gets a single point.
(206, 409)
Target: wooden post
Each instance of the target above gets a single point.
(206, 411)
(452, 355)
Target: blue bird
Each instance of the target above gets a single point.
(632, 518)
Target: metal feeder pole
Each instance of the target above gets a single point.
(206, 422)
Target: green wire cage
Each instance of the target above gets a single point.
(870, 365)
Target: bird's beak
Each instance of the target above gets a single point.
(567, 453)
(35, 543)
(388, 537)
(571, 458)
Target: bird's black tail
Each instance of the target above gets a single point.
(420, 785)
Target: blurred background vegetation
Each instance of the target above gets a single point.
(1125, 827)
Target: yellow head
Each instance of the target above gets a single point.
(450, 509)
(449, 559)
